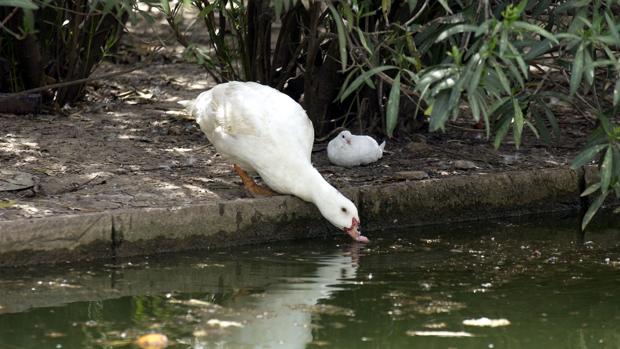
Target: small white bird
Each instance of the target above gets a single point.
(261, 129)
(349, 150)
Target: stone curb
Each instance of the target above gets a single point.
(131, 232)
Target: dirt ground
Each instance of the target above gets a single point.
(130, 144)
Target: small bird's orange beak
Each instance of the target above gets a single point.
(348, 141)
(354, 232)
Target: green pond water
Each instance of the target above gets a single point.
(544, 283)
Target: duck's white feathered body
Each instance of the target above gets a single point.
(250, 124)
(349, 150)
(266, 131)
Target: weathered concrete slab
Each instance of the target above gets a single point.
(217, 224)
(225, 223)
(470, 198)
(72, 237)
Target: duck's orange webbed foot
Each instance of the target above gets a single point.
(254, 189)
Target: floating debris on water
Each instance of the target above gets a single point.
(324, 309)
(224, 324)
(436, 325)
(439, 334)
(486, 322)
(152, 341)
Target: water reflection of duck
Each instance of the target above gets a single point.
(286, 309)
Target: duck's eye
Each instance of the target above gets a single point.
(343, 209)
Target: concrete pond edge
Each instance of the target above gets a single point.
(144, 231)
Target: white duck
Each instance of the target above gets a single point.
(261, 129)
(349, 150)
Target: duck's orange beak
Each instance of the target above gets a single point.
(354, 232)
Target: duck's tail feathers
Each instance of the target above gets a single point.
(381, 147)
(189, 106)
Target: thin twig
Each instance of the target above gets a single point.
(66, 83)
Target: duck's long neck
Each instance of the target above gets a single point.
(311, 186)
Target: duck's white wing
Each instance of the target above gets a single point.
(254, 124)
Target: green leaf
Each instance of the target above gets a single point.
(28, 21)
(385, 6)
(605, 123)
(591, 189)
(473, 105)
(518, 122)
(588, 67)
(342, 40)
(617, 93)
(165, 7)
(440, 112)
(502, 78)
(502, 130)
(594, 206)
(586, 155)
(540, 49)
(536, 29)
(577, 70)
(412, 4)
(606, 168)
(532, 128)
(25, 4)
(540, 125)
(475, 79)
(612, 27)
(363, 78)
(457, 29)
(552, 120)
(517, 56)
(391, 114)
(444, 3)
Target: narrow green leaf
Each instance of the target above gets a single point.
(577, 70)
(594, 206)
(552, 119)
(503, 43)
(591, 189)
(536, 29)
(539, 49)
(518, 122)
(586, 155)
(588, 67)
(502, 78)
(165, 7)
(25, 4)
(612, 27)
(520, 61)
(457, 29)
(542, 128)
(412, 4)
(514, 72)
(385, 6)
(502, 130)
(473, 105)
(444, 3)
(475, 79)
(342, 40)
(391, 114)
(362, 38)
(606, 168)
(617, 93)
(532, 128)
(605, 123)
(440, 112)
(362, 78)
